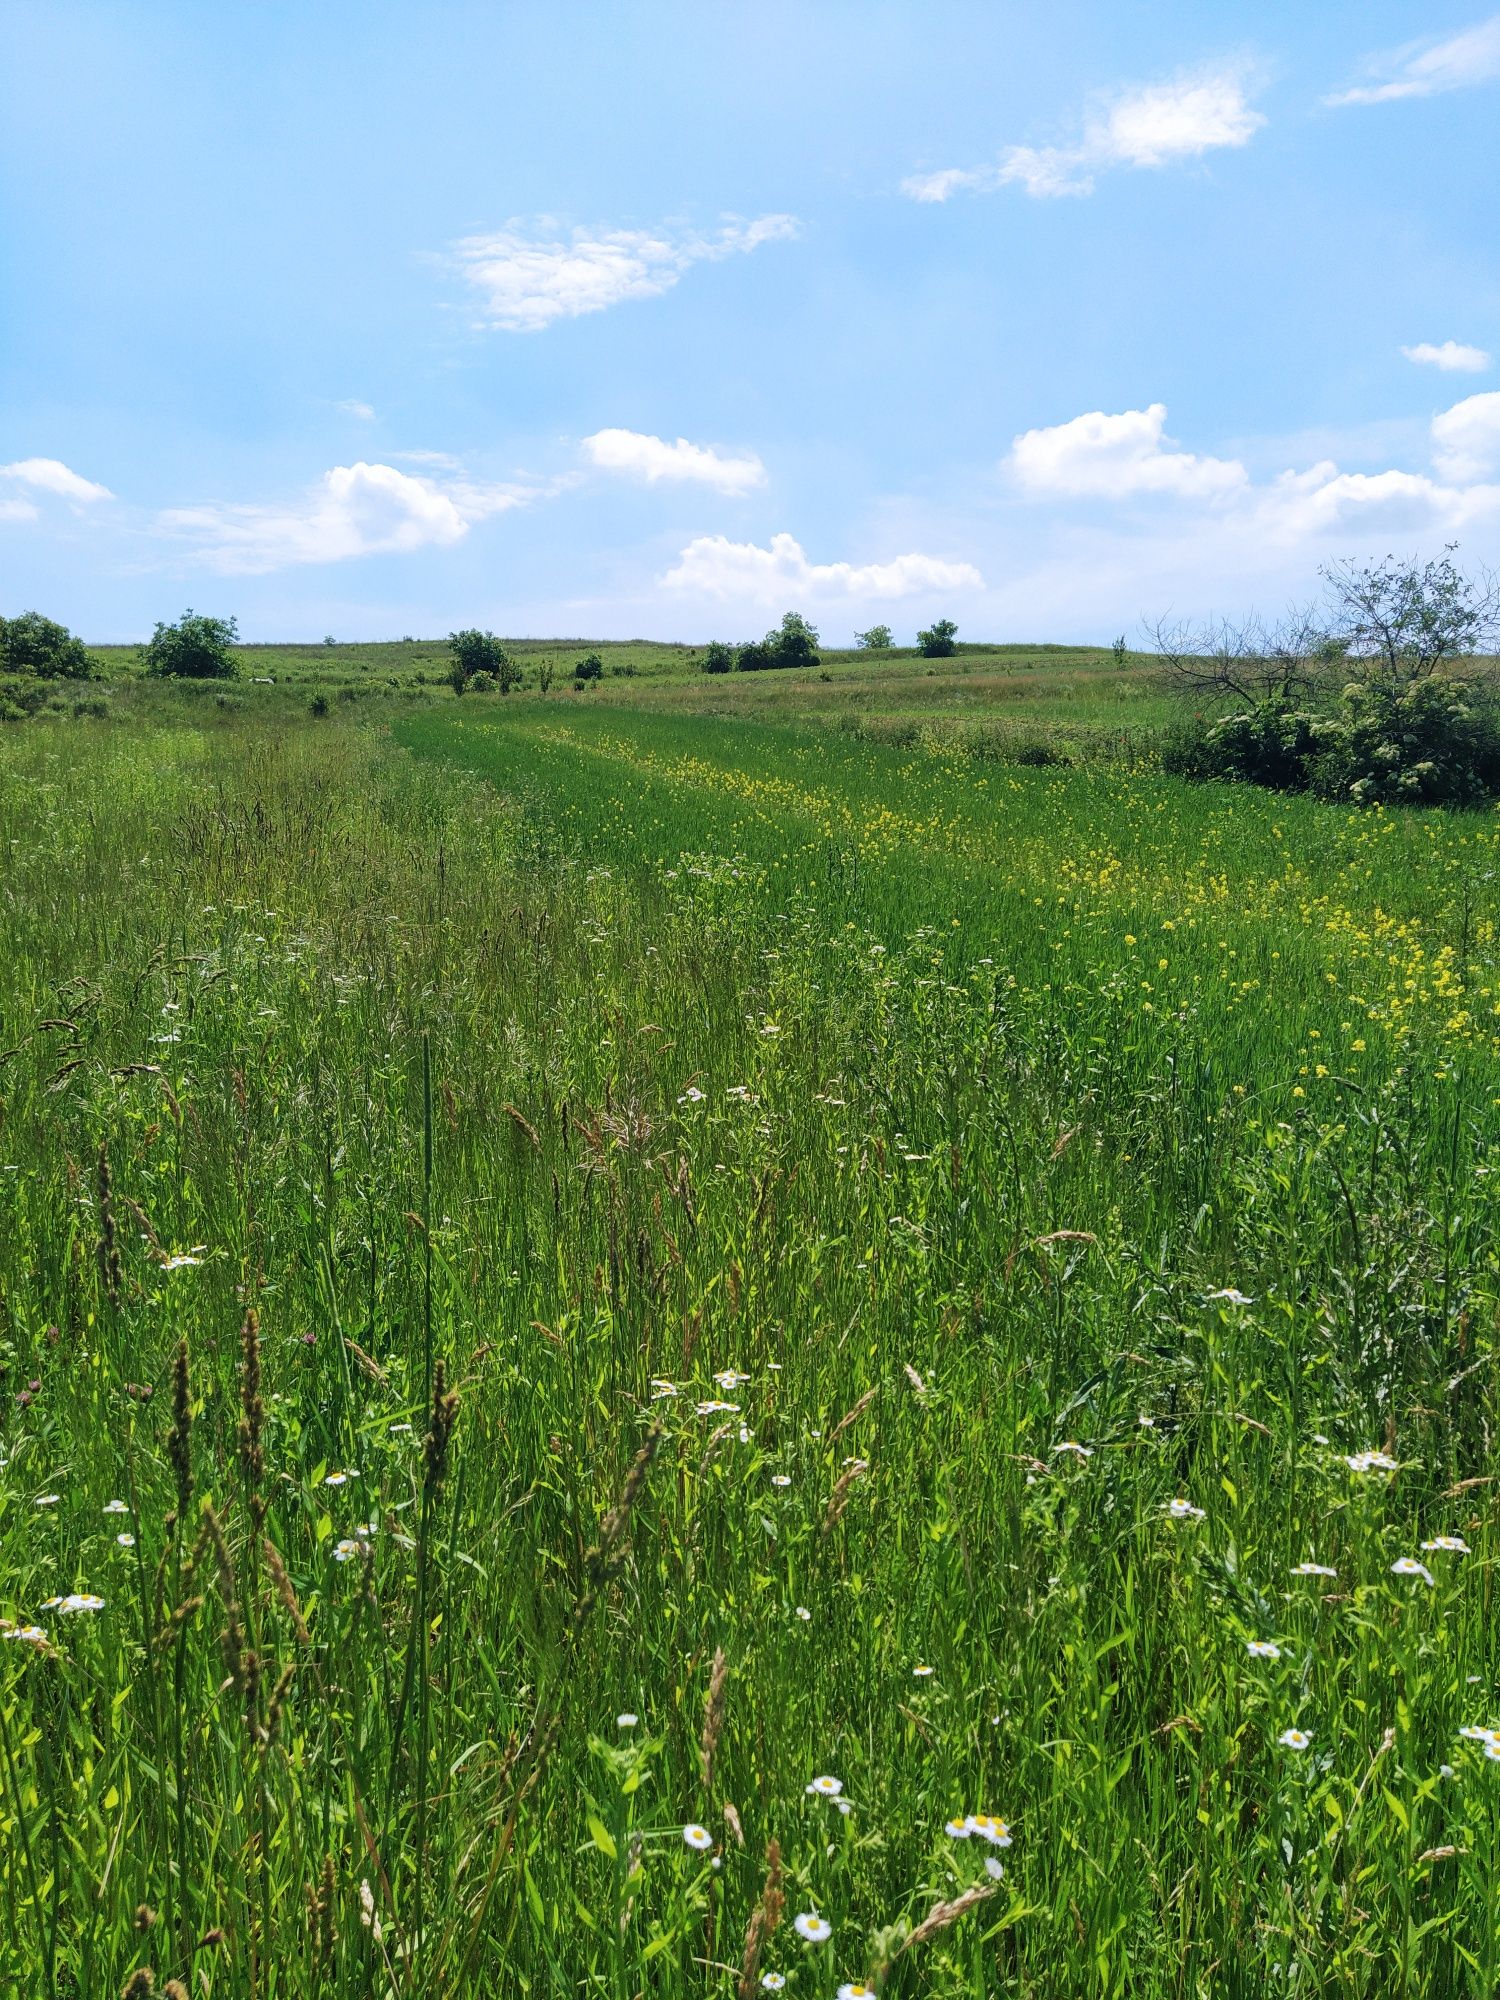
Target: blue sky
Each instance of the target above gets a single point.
(659, 320)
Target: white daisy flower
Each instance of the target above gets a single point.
(1294, 1739)
(730, 1378)
(1477, 1732)
(125, 1541)
(994, 1867)
(625, 1720)
(1453, 1545)
(808, 1924)
(1492, 1750)
(1372, 1461)
(30, 1635)
(661, 1389)
(1229, 1297)
(772, 1982)
(400, 1430)
(180, 1260)
(1184, 1510)
(1409, 1566)
(825, 1788)
(1312, 1569)
(923, 1673)
(714, 1408)
(697, 1837)
(957, 1829)
(780, 1479)
(1071, 1446)
(79, 1600)
(995, 1831)
(345, 1550)
(46, 1500)
(1263, 1649)
(803, 1613)
(115, 1507)
(856, 1989)
(692, 1095)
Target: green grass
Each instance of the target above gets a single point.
(586, 1045)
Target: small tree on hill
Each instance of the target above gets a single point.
(877, 640)
(32, 644)
(475, 652)
(590, 668)
(1402, 621)
(936, 642)
(717, 657)
(794, 643)
(195, 648)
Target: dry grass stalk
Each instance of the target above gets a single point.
(853, 1416)
(598, 1559)
(252, 1420)
(109, 1249)
(839, 1498)
(285, 1591)
(941, 1915)
(713, 1715)
(763, 1921)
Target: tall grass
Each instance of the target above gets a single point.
(567, 1280)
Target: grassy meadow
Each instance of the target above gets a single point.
(686, 1341)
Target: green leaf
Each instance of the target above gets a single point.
(602, 1837)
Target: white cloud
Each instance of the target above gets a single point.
(1452, 356)
(354, 510)
(18, 510)
(50, 475)
(528, 280)
(1466, 439)
(640, 456)
(1117, 457)
(352, 407)
(714, 566)
(1424, 69)
(1150, 126)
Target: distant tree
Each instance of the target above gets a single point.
(590, 668)
(475, 652)
(755, 657)
(1119, 650)
(794, 642)
(329, 640)
(717, 657)
(877, 640)
(544, 674)
(195, 648)
(936, 642)
(32, 644)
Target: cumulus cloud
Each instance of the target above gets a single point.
(526, 279)
(353, 510)
(714, 566)
(1153, 125)
(1452, 356)
(1426, 68)
(1466, 439)
(1117, 457)
(638, 455)
(50, 475)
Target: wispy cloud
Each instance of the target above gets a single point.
(1153, 125)
(353, 510)
(1452, 356)
(351, 406)
(50, 475)
(638, 455)
(714, 566)
(1117, 457)
(1426, 68)
(528, 277)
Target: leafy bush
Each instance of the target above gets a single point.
(589, 669)
(717, 657)
(1431, 742)
(792, 643)
(32, 644)
(195, 648)
(937, 641)
(483, 682)
(877, 640)
(474, 653)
